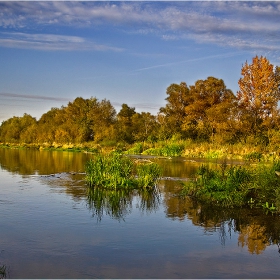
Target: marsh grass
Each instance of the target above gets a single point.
(3, 272)
(147, 174)
(114, 171)
(168, 150)
(257, 186)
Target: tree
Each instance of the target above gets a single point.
(124, 123)
(174, 111)
(144, 125)
(258, 94)
(208, 108)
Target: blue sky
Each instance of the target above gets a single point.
(127, 52)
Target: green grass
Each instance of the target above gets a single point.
(114, 171)
(257, 186)
(3, 273)
(168, 150)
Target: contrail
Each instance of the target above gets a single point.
(189, 60)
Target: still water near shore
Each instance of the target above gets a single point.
(53, 226)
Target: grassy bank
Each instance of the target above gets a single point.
(168, 148)
(187, 148)
(237, 186)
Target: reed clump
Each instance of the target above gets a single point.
(3, 272)
(237, 186)
(114, 171)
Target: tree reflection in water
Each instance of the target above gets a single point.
(118, 203)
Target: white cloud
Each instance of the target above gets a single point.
(237, 24)
(50, 42)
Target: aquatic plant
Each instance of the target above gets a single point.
(117, 171)
(137, 149)
(110, 171)
(237, 186)
(148, 174)
(168, 150)
(3, 272)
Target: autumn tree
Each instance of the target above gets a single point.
(124, 124)
(102, 117)
(49, 125)
(19, 129)
(258, 95)
(144, 125)
(208, 108)
(174, 111)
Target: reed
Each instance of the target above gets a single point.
(116, 171)
(3, 272)
(148, 174)
(257, 186)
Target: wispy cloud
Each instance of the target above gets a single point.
(238, 24)
(34, 97)
(50, 42)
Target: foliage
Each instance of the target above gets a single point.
(177, 100)
(258, 95)
(3, 272)
(237, 186)
(205, 113)
(253, 156)
(115, 171)
(147, 174)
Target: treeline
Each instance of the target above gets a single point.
(206, 111)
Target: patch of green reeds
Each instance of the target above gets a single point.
(3, 272)
(168, 150)
(116, 171)
(257, 186)
(137, 149)
(147, 174)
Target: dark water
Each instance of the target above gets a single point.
(52, 226)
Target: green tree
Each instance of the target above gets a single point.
(124, 124)
(174, 111)
(144, 125)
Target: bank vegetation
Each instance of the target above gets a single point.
(202, 120)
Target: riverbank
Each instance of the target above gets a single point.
(169, 148)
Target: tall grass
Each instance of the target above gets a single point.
(3, 272)
(116, 171)
(237, 186)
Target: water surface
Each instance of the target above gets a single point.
(52, 226)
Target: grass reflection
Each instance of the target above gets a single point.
(3, 273)
(118, 203)
(256, 230)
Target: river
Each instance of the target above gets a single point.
(53, 226)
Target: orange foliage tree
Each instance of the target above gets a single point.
(258, 96)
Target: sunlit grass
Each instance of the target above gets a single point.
(116, 171)
(257, 186)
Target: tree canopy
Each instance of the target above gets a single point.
(204, 111)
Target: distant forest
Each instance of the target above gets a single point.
(206, 112)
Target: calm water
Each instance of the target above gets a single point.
(52, 226)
